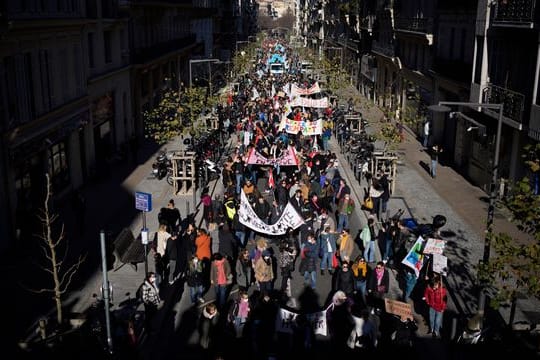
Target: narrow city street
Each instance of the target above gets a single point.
(270, 179)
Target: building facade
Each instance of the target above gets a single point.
(75, 78)
(415, 53)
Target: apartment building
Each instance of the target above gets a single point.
(75, 77)
(415, 53)
(45, 107)
(506, 71)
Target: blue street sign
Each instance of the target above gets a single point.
(143, 201)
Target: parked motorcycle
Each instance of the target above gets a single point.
(162, 166)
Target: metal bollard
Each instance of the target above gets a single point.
(453, 329)
(42, 328)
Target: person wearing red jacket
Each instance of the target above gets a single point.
(435, 296)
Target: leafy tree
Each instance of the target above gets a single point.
(55, 252)
(411, 115)
(515, 265)
(241, 62)
(336, 76)
(175, 113)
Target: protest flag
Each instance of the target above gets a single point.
(271, 182)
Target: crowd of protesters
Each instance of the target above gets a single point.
(251, 261)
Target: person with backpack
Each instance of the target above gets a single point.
(194, 279)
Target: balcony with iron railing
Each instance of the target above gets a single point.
(513, 101)
(520, 13)
(384, 49)
(416, 25)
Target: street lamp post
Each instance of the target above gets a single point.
(442, 107)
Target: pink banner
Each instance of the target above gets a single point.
(305, 102)
(287, 158)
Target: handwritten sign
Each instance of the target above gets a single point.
(440, 264)
(399, 308)
(434, 246)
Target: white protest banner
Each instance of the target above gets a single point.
(307, 128)
(440, 264)
(414, 258)
(289, 219)
(305, 102)
(434, 246)
(318, 322)
(285, 320)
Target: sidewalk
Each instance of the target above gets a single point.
(465, 208)
(110, 206)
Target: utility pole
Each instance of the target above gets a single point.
(105, 290)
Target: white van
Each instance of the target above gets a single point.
(277, 68)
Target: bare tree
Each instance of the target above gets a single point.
(55, 265)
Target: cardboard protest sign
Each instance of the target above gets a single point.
(399, 308)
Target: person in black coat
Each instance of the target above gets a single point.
(344, 280)
(378, 285)
(170, 216)
(227, 243)
(385, 186)
(282, 193)
(262, 209)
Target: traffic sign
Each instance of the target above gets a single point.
(143, 201)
